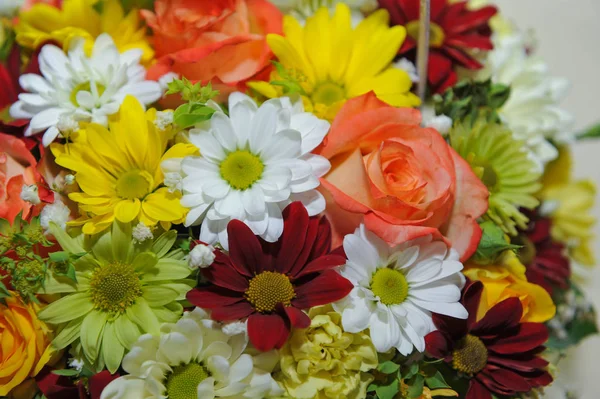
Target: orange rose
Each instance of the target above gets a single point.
(17, 168)
(406, 181)
(25, 343)
(221, 41)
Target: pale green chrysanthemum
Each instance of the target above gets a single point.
(123, 290)
(504, 166)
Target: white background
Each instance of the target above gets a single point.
(568, 33)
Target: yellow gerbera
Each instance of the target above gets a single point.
(506, 279)
(570, 203)
(118, 170)
(81, 18)
(332, 62)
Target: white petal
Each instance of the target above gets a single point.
(223, 132)
(45, 119)
(241, 115)
(215, 187)
(320, 165)
(254, 200)
(146, 92)
(127, 387)
(231, 205)
(313, 201)
(208, 145)
(285, 144)
(206, 389)
(35, 83)
(313, 130)
(241, 368)
(449, 309)
(50, 135)
(360, 252)
(263, 127)
(275, 178)
(195, 215)
(275, 227)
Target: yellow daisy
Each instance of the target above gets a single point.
(81, 18)
(118, 170)
(330, 62)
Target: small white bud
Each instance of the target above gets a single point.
(173, 181)
(163, 119)
(76, 364)
(235, 328)
(441, 123)
(141, 233)
(67, 124)
(30, 194)
(57, 213)
(407, 66)
(69, 179)
(201, 256)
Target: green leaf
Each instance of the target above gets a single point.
(66, 372)
(437, 381)
(388, 367)
(190, 114)
(415, 388)
(388, 391)
(60, 257)
(591, 133)
(4, 293)
(412, 370)
(493, 243)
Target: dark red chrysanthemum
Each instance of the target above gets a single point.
(270, 283)
(546, 260)
(499, 354)
(455, 32)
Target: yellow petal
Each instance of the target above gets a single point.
(127, 210)
(164, 206)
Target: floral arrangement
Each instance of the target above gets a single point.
(284, 199)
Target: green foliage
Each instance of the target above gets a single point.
(473, 100)
(575, 320)
(290, 81)
(493, 243)
(591, 133)
(196, 95)
(7, 44)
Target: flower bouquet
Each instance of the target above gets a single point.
(284, 199)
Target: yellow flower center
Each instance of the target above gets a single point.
(85, 86)
(241, 169)
(470, 355)
(114, 287)
(328, 93)
(134, 184)
(436, 33)
(390, 286)
(183, 382)
(268, 289)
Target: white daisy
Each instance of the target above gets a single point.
(397, 288)
(194, 358)
(532, 111)
(74, 86)
(253, 163)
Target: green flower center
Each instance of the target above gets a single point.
(328, 93)
(470, 355)
(85, 86)
(390, 286)
(183, 382)
(241, 169)
(436, 33)
(114, 287)
(268, 289)
(134, 184)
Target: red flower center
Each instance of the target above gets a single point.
(470, 355)
(267, 289)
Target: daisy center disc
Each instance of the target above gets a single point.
(134, 184)
(85, 86)
(268, 289)
(114, 287)
(328, 93)
(470, 355)
(241, 169)
(183, 382)
(390, 286)
(436, 33)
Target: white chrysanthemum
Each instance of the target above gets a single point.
(81, 88)
(252, 165)
(397, 288)
(532, 111)
(302, 9)
(193, 358)
(57, 213)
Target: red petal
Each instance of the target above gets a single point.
(99, 381)
(528, 337)
(267, 331)
(542, 380)
(322, 263)
(327, 287)
(244, 249)
(410, 9)
(471, 20)
(501, 317)
(437, 345)
(439, 68)
(322, 245)
(509, 379)
(436, 9)
(470, 299)
(298, 318)
(226, 276)
(212, 297)
(462, 58)
(236, 311)
(454, 328)
(396, 15)
(477, 391)
(295, 226)
(470, 41)
(529, 364)
(491, 385)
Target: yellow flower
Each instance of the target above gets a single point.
(571, 202)
(333, 62)
(80, 18)
(118, 170)
(25, 347)
(506, 279)
(323, 361)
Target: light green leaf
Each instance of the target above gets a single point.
(388, 391)
(436, 381)
(164, 243)
(493, 243)
(65, 240)
(415, 388)
(388, 367)
(66, 372)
